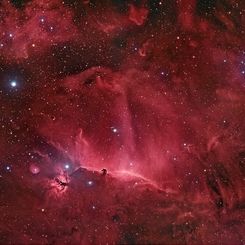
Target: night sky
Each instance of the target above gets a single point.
(122, 122)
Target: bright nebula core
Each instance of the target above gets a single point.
(122, 122)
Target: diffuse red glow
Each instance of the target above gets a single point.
(150, 91)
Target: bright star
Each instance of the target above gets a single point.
(90, 182)
(114, 130)
(13, 84)
(67, 166)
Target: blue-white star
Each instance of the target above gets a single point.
(13, 84)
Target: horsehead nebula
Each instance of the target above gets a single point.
(122, 122)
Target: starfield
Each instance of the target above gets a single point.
(122, 122)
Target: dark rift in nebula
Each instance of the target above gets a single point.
(122, 122)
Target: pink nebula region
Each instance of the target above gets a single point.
(122, 122)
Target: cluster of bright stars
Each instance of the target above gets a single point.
(243, 67)
(242, 63)
(42, 21)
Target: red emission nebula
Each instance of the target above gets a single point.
(122, 122)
